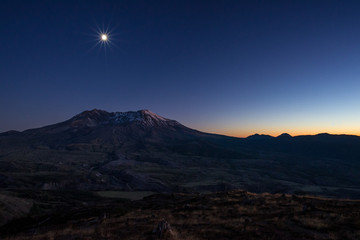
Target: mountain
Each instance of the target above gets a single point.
(120, 132)
(284, 136)
(344, 147)
(99, 125)
(99, 150)
(141, 151)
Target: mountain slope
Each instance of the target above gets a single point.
(101, 150)
(89, 126)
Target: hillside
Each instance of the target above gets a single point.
(222, 215)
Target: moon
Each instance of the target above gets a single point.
(104, 37)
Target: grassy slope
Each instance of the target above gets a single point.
(226, 215)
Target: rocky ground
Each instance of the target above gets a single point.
(225, 215)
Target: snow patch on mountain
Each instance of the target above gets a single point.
(99, 117)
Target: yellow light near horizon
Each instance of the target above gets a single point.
(104, 37)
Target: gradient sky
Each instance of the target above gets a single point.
(229, 67)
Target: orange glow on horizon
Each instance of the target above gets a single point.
(244, 133)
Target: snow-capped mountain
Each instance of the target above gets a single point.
(99, 128)
(97, 117)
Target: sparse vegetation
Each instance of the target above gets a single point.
(223, 215)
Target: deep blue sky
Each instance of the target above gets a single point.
(231, 67)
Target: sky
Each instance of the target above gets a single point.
(229, 67)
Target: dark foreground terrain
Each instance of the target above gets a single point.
(224, 215)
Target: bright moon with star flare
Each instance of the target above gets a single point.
(104, 37)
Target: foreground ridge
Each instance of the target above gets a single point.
(224, 215)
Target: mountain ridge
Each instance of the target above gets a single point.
(142, 151)
(144, 115)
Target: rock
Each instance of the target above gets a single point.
(163, 230)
